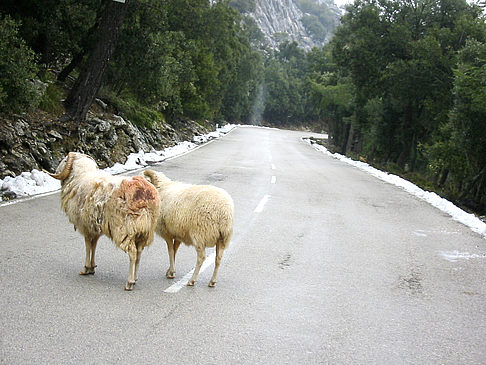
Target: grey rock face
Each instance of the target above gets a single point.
(281, 20)
(26, 144)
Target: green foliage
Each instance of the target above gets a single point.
(50, 100)
(285, 85)
(314, 27)
(318, 18)
(334, 99)
(55, 29)
(202, 69)
(205, 68)
(150, 62)
(17, 69)
(468, 118)
(418, 89)
(135, 112)
(243, 6)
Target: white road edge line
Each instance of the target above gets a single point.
(274, 179)
(262, 203)
(174, 288)
(26, 198)
(273, 167)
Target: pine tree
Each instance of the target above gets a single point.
(89, 81)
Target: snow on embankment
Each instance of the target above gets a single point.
(444, 205)
(38, 182)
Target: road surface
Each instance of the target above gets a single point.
(328, 265)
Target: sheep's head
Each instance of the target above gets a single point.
(83, 163)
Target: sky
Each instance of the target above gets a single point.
(341, 3)
(30, 184)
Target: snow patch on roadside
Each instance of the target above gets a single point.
(38, 182)
(444, 205)
(454, 256)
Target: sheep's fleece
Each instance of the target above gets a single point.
(198, 215)
(125, 209)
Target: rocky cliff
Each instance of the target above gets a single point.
(38, 141)
(308, 22)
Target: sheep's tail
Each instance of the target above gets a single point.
(225, 238)
(226, 232)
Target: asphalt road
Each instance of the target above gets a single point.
(328, 265)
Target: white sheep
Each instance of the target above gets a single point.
(123, 208)
(198, 215)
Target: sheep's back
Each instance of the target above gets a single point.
(116, 206)
(83, 199)
(133, 209)
(202, 212)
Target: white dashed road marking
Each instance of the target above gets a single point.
(261, 205)
(174, 288)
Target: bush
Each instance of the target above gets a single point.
(51, 99)
(136, 113)
(17, 69)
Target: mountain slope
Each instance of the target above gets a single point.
(308, 22)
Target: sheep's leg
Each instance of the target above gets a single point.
(87, 262)
(201, 256)
(94, 242)
(172, 247)
(219, 255)
(176, 247)
(132, 254)
(171, 272)
(89, 266)
(137, 262)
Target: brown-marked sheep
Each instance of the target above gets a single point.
(198, 215)
(125, 209)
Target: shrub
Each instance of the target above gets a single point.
(51, 99)
(17, 69)
(135, 112)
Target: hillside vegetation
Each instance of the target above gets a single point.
(401, 84)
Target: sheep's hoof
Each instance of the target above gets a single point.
(212, 284)
(170, 275)
(129, 286)
(191, 283)
(87, 271)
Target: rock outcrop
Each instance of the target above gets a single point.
(281, 20)
(38, 142)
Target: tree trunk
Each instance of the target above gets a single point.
(344, 145)
(473, 182)
(89, 81)
(443, 178)
(350, 144)
(407, 135)
(70, 67)
(404, 154)
(87, 48)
